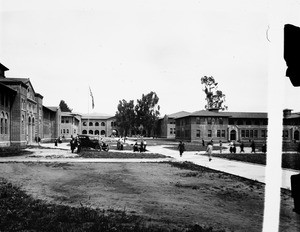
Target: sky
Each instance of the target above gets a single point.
(123, 49)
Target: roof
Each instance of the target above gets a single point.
(23, 81)
(52, 108)
(207, 113)
(178, 114)
(94, 116)
(293, 115)
(2, 67)
(246, 114)
(8, 88)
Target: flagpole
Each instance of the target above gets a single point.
(88, 131)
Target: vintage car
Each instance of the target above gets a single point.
(89, 141)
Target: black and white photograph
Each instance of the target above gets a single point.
(142, 115)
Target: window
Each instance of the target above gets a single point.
(6, 124)
(285, 134)
(96, 131)
(209, 120)
(23, 126)
(64, 131)
(171, 131)
(255, 133)
(247, 133)
(223, 133)
(67, 121)
(91, 124)
(84, 132)
(67, 131)
(198, 133)
(243, 134)
(209, 133)
(248, 122)
(263, 133)
(62, 121)
(251, 133)
(84, 123)
(91, 132)
(102, 123)
(112, 124)
(96, 123)
(197, 120)
(240, 122)
(218, 133)
(221, 121)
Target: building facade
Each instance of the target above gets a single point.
(233, 126)
(98, 125)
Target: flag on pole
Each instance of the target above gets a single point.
(93, 105)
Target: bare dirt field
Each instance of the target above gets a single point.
(159, 191)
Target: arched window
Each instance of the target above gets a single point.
(23, 125)
(67, 131)
(296, 135)
(64, 131)
(84, 123)
(96, 123)
(102, 123)
(103, 132)
(84, 132)
(6, 124)
(1, 123)
(96, 132)
(90, 124)
(91, 132)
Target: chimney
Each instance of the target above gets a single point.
(286, 113)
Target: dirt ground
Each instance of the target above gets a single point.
(158, 191)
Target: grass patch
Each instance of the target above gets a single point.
(120, 155)
(12, 151)
(20, 212)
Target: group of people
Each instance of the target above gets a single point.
(140, 147)
(232, 148)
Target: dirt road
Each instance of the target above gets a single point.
(159, 191)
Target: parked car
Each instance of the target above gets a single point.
(88, 141)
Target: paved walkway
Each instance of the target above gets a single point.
(247, 170)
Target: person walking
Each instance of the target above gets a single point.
(221, 147)
(242, 147)
(252, 147)
(181, 148)
(203, 143)
(72, 145)
(209, 150)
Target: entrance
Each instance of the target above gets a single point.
(233, 135)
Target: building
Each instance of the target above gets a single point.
(224, 126)
(70, 124)
(166, 125)
(97, 124)
(21, 111)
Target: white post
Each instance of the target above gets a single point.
(276, 77)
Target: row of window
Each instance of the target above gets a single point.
(285, 134)
(220, 121)
(253, 133)
(97, 124)
(66, 131)
(96, 132)
(3, 123)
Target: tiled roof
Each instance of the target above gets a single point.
(207, 113)
(178, 114)
(52, 108)
(246, 114)
(7, 87)
(96, 116)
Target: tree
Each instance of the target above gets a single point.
(64, 107)
(214, 97)
(147, 112)
(125, 116)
